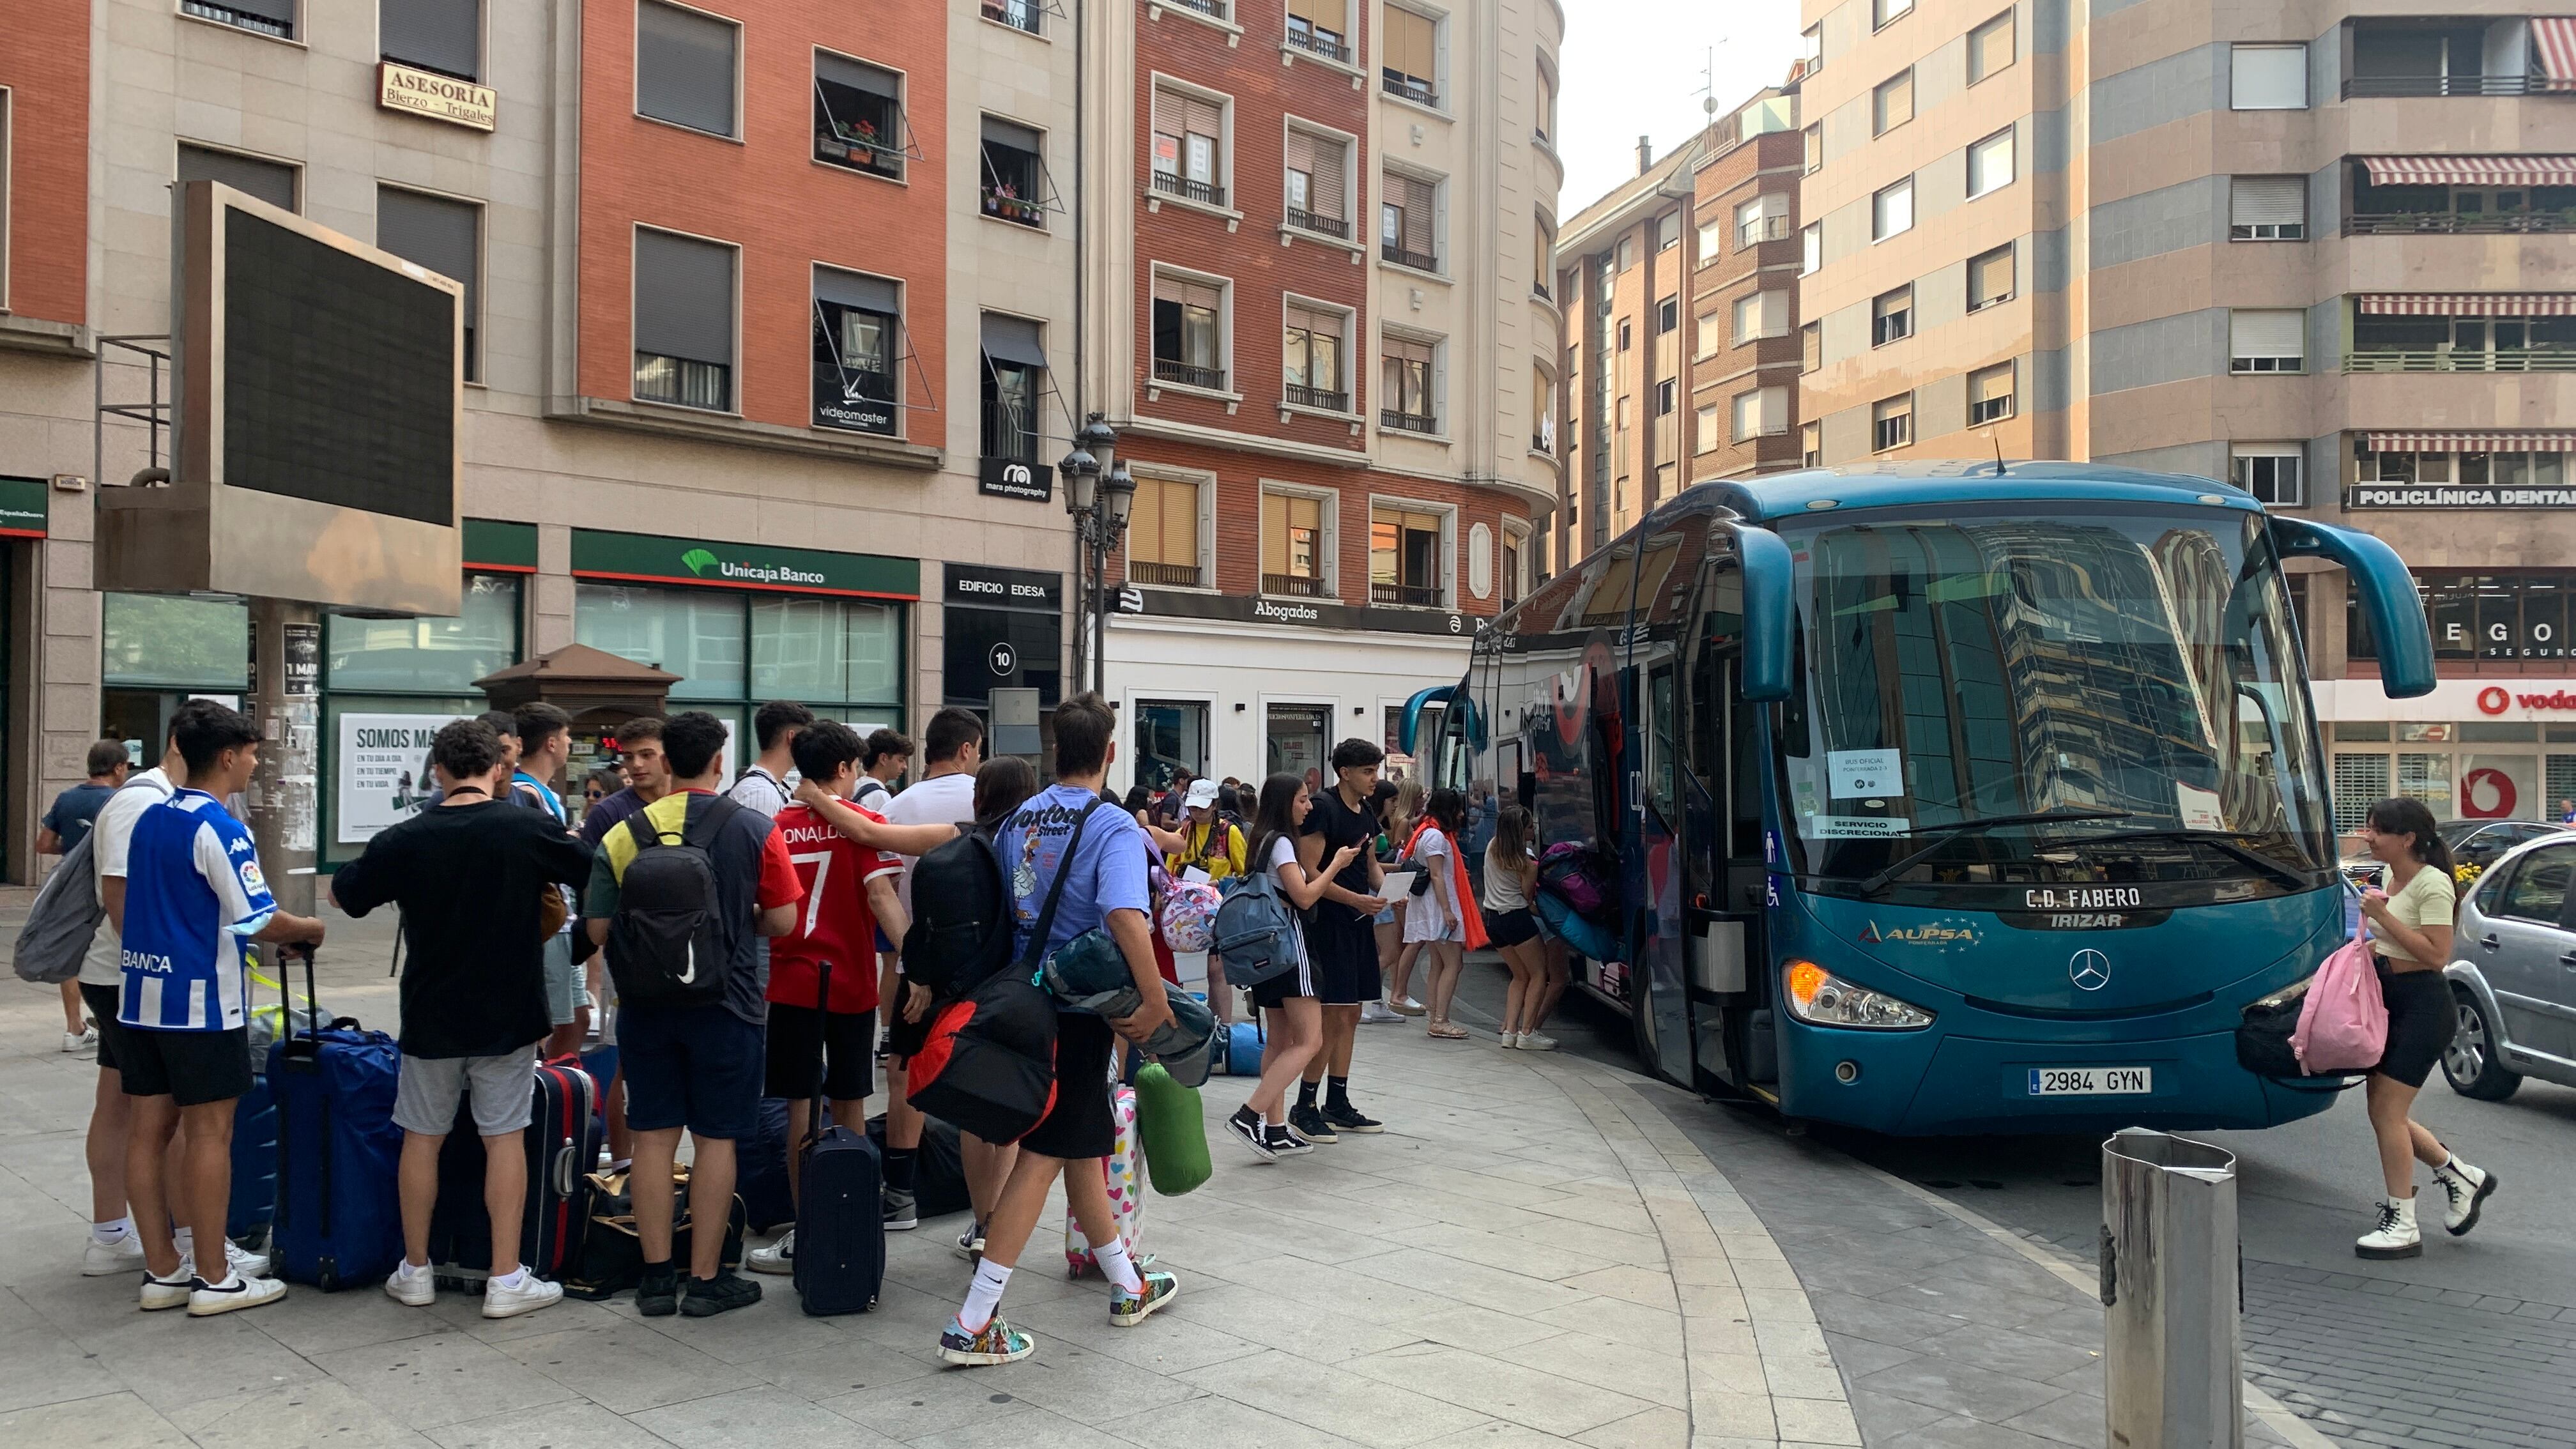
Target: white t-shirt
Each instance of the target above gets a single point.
(759, 790)
(940, 800)
(110, 839)
(1424, 920)
(1283, 853)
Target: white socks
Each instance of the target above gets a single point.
(512, 1281)
(984, 1296)
(110, 1234)
(410, 1270)
(1116, 1266)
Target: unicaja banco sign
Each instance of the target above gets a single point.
(713, 563)
(702, 563)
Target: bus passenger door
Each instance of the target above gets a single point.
(1725, 874)
(1659, 994)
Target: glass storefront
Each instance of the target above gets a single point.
(1171, 737)
(2468, 770)
(734, 649)
(1298, 739)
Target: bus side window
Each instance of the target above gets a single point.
(1663, 745)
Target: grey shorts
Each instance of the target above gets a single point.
(563, 979)
(426, 1095)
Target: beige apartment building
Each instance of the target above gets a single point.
(2323, 250)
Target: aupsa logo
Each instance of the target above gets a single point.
(1933, 934)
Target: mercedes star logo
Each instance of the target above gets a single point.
(2090, 970)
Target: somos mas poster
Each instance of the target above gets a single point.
(383, 772)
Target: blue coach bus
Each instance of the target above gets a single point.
(1944, 798)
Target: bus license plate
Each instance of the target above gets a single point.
(2092, 1081)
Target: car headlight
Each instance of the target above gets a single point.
(1819, 997)
(2284, 996)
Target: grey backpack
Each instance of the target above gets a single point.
(65, 915)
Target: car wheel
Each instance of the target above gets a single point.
(2469, 1064)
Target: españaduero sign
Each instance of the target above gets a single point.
(437, 97)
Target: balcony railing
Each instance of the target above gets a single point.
(1762, 229)
(1411, 88)
(2471, 223)
(1318, 397)
(1404, 422)
(1169, 575)
(1317, 42)
(1216, 8)
(1018, 14)
(1540, 290)
(1316, 221)
(2443, 85)
(1411, 596)
(1419, 261)
(1542, 443)
(1297, 586)
(1188, 375)
(2504, 359)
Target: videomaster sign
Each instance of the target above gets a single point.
(651, 558)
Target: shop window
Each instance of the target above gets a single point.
(1405, 556)
(858, 116)
(270, 181)
(684, 320)
(175, 641)
(1171, 740)
(445, 36)
(2360, 781)
(686, 67)
(826, 650)
(701, 635)
(427, 656)
(445, 236)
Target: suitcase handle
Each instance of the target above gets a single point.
(566, 1172)
(823, 1007)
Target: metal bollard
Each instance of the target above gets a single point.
(2171, 1293)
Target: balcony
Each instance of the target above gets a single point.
(2444, 85)
(1217, 8)
(1017, 14)
(1419, 261)
(1299, 395)
(1294, 586)
(1542, 443)
(1319, 223)
(1407, 596)
(1205, 193)
(1318, 42)
(1189, 375)
(1411, 88)
(1540, 290)
(2454, 223)
(1166, 575)
(1404, 422)
(2504, 359)
(1762, 229)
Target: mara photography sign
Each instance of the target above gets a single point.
(383, 770)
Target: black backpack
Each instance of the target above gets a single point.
(961, 916)
(669, 943)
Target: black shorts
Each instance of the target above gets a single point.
(905, 1039)
(697, 1067)
(1511, 928)
(191, 1068)
(103, 1003)
(811, 1051)
(1343, 946)
(1080, 1125)
(2420, 1023)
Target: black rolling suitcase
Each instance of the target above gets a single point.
(562, 1144)
(840, 1213)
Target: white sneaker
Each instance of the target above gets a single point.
(2396, 1236)
(243, 1261)
(417, 1288)
(99, 1260)
(2467, 1189)
(778, 1257)
(160, 1293)
(1510, 1040)
(1536, 1041)
(1375, 1013)
(233, 1294)
(533, 1293)
(80, 1041)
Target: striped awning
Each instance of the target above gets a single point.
(2471, 170)
(2468, 304)
(2531, 442)
(2555, 37)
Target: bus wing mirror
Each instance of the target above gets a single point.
(1409, 731)
(1770, 614)
(2388, 598)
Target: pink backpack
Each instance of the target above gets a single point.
(2343, 1024)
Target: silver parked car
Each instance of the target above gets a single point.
(2513, 973)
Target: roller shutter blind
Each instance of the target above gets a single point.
(441, 35)
(2266, 333)
(684, 67)
(683, 297)
(2268, 201)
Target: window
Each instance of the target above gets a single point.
(1811, 48)
(1189, 332)
(1764, 218)
(1668, 314)
(1990, 394)
(858, 327)
(2267, 341)
(1014, 172)
(1811, 347)
(858, 116)
(445, 36)
(2267, 208)
(1709, 337)
(1811, 445)
(1990, 47)
(1811, 248)
(406, 656)
(1891, 423)
(1515, 581)
(1712, 238)
(1408, 399)
(1015, 368)
(1028, 15)
(4, 198)
(1409, 56)
(1883, 11)
(1761, 413)
(2267, 77)
(1705, 437)
(1668, 231)
(1761, 314)
(1546, 123)
(684, 315)
(1542, 256)
(1891, 316)
(1814, 138)
(1542, 412)
(275, 18)
(446, 237)
(1990, 277)
(1627, 334)
(2272, 472)
(1163, 533)
(1990, 163)
(1320, 27)
(1188, 129)
(270, 181)
(1292, 545)
(1892, 104)
(685, 67)
(1311, 358)
(1317, 196)
(1667, 396)
(1407, 219)
(1627, 253)
(1404, 556)
(1891, 210)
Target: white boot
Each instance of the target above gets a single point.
(2396, 1235)
(2468, 1189)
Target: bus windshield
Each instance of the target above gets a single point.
(2133, 670)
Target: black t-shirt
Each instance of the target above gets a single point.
(1341, 825)
(468, 879)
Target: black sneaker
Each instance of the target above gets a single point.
(1250, 1130)
(1285, 1142)
(720, 1294)
(1310, 1123)
(658, 1296)
(1347, 1118)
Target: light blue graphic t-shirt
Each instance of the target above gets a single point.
(1108, 866)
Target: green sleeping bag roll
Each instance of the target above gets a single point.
(1174, 1129)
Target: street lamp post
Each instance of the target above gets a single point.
(1100, 494)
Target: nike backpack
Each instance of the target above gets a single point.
(668, 942)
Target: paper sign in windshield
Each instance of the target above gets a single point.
(1857, 827)
(1865, 774)
(2200, 809)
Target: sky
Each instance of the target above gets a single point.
(1641, 68)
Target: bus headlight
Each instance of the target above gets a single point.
(2284, 996)
(1819, 997)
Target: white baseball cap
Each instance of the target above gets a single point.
(1202, 792)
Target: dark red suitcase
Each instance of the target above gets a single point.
(562, 1141)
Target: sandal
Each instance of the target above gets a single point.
(1447, 1031)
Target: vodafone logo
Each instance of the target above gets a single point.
(2486, 795)
(2492, 700)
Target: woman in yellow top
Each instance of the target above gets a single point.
(1206, 840)
(2410, 929)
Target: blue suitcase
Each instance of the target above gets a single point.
(840, 1213)
(1243, 1046)
(254, 1200)
(339, 1216)
(760, 1170)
